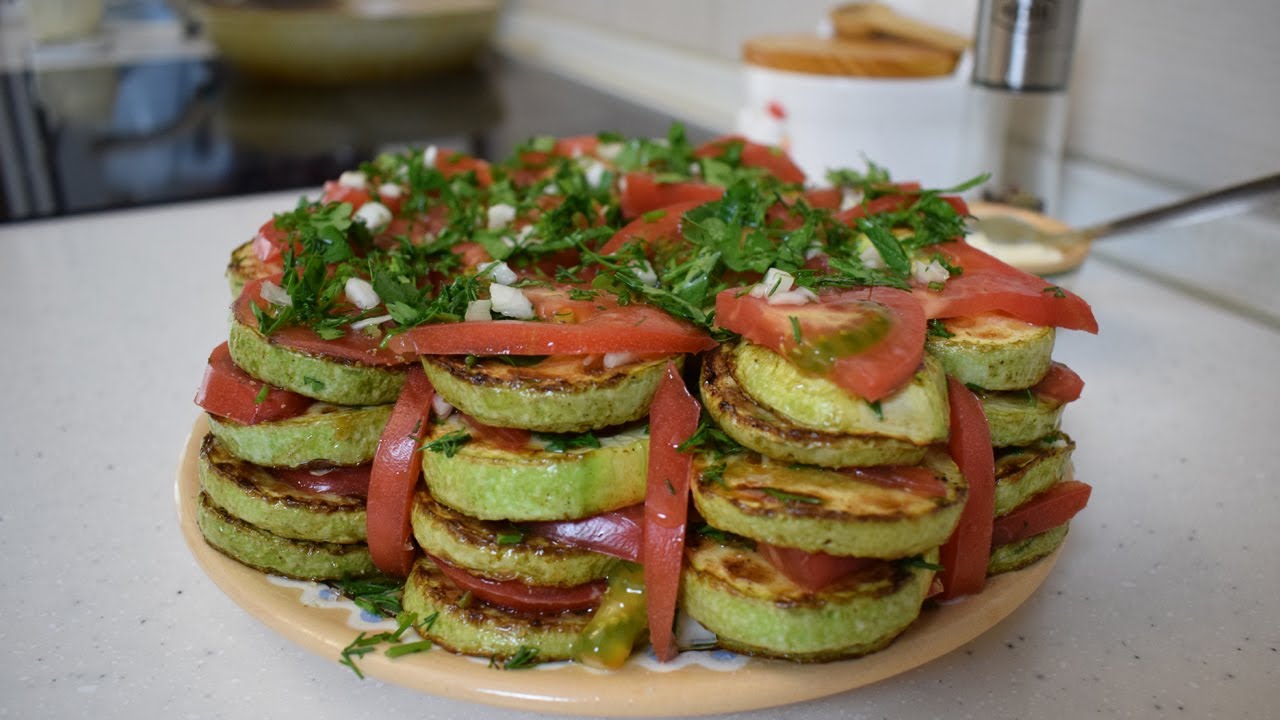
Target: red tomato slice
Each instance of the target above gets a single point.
(1061, 384)
(1045, 511)
(965, 554)
(914, 479)
(673, 418)
(229, 392)
(268, 244)
(618, 533)
(633, 328)
(988, 285)
(839, 336)
(503, 437)
(894, 203)
(641, 193)
(336, 192)
(663, 228)
(513, 594)
(345, 481)
(773, 160)
(394, 476)
(452, 164)
(811, 571)
(354, 346)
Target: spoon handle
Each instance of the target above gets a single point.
(1217, 203)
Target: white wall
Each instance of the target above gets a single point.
(1183, 91)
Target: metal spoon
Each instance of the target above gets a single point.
(1005, 229)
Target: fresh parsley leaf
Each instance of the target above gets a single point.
(449, 444)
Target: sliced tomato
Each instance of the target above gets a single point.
(659, 227)
(1045, 511)
(896, 202)
(558, 304)
(642, 193)
(869, 341)
(989, 285)
(353, 346)
(914, 479)
(632, 328)
(1061, 384)
(269, 242)
(673, 418)
(502, 437)
(618, 533)
(229, 392)
(965, 554)
(345, 481)
(513, 594)
(811, 571)
(336, 192)
(394, 476)
(452, 164)
(773, 160)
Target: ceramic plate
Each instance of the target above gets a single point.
(695, 683)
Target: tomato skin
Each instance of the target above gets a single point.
(345, 481)
(618, 533)
(518, 596)
(1061, 385)
(812, 571)
(229, 392)
(502, 437)
(673, 420)
(635, 328)
(872, 373)
(353, 346)
(269, 242)
(452, 164)
(776, 162)
(394, 476)
(641, 193)
(663, 230)
(965, 554)
(1045, 511)
(988, 285)
(336, 192)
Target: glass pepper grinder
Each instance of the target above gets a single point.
(1022, 64)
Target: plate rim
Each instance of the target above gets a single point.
(576, 690)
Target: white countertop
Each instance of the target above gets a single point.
(1165, 600)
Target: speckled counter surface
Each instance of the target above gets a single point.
(1164, 603)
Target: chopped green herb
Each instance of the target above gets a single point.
(379, 595)
(1055, 291)
(525, 657)
(512, 535)
(791, 497)
(449, 444)
(366, 643)
(877, 409)
(262, 395)
(563, 442)
(654, 216)
(313, 383)
(795, 329)
(919, 562)
(938, 329)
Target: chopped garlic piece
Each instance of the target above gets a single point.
(499, 272)
(594, 171)
(361, 293)
(440, 406)
(500, 216)
(799, 296)
(609, 150)
(429, 156)
(849, 198)
(390, 190)
(354, 179)
(374, 215)
(775, 281)
(645, 272)
(275, 294)
(510, 301)
(617, 359)
(362, 324)
(478, 310)
(933, 272)
(871, 257)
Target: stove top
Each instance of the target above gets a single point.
(88, 139)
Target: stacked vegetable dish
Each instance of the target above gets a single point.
(560, 403)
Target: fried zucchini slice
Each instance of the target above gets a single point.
(760, 429)
(994, 351)
(1024, 472)
(254, 495)
(918, 413)
(261, 550)
(325, 433)
(475, 627)
(821, 510)
(1017, 555)
(552, 396)
(752, 608)
(500, 550)
(487, 482)
(245, 267)
(1019, 418)
(326, 379)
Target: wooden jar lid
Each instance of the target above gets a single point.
(865, 57)
(869, 20)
